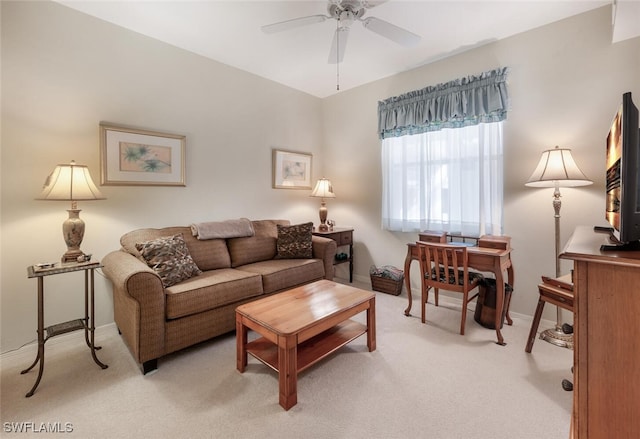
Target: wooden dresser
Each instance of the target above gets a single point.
(606, 400)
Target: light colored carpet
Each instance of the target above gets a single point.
(423, 381)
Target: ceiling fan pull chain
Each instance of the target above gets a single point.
(338, 54)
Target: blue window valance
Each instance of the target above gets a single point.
(462, 102)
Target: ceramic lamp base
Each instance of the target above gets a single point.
(323, 227)
(73, 232)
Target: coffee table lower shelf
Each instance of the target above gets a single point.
(310, 351)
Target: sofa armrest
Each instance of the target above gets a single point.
(138, 304)
(325, 249)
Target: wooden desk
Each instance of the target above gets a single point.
(484, 257)
(606, 353)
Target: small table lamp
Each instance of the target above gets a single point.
(71, 183)
(323, 190)
(557, 169)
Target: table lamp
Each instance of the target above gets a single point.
(557, 169)
(71, 183)
(323, 190)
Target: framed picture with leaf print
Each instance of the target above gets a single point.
(135, 157)
(291, 170)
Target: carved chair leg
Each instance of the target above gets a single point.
(465, 300)
(423, 302)
(534, 326)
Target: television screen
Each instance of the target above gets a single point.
(614, 158)
(623, 173)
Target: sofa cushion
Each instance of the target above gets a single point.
(170, 258)
(259, 247)
(280, 274)
(294, 242)
(212, 289)
(207, 255)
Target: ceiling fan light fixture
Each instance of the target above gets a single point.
(346, 19)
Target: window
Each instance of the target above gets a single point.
(442, 156)
(449, 180)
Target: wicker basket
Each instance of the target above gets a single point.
(386, 285)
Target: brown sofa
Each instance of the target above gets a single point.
(155, 320)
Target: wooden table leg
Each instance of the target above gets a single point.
(499, 304)
(241, 344)
(511, 281)
(371, 325)
(407, 280)
(288, 371)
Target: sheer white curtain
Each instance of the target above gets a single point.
(449, 180)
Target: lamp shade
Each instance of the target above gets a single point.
(557, 168)
(70, 183)
(323, 189)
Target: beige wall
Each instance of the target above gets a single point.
(565, 85)
(64, 72)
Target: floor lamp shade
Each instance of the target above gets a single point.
(71, 182)
(323, 190)
(557, 169)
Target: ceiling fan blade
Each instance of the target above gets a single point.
(391, 31)
(293, 23)
(368, 4)
(338, 46)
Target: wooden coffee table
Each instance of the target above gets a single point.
(300, 327)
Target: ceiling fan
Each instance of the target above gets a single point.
(345, 12)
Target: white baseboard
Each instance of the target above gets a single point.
(30, 349)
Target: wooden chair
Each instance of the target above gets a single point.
(446, 266)
(558, 292)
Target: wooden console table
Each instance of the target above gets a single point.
(342, 236)
(493, 254)
(606, 354)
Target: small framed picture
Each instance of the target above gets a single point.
(134, 157)
(291, 170)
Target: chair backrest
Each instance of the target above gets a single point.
(444, 265)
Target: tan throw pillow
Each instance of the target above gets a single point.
(294, 242)
(170, 258)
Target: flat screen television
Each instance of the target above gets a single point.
(623, 177)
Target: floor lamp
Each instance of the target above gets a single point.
(557, 169)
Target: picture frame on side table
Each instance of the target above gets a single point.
(291, 170)
(136, 157)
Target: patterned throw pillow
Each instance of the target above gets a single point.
(294, 242)
(170, 258)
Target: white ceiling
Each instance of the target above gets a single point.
(229, 32)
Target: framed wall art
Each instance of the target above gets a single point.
(291, 170)
(134, 157)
